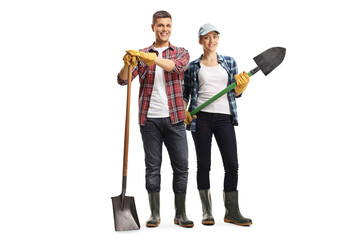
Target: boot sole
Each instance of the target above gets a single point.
(153, 224)
(208, 222)
(239, 224)
(186, 226)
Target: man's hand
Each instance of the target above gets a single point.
(147, 58)
(189, 118)
(130, 60)
(242, 81)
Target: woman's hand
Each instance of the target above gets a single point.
(242, 81)
(189, 118)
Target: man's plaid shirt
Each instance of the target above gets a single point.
(173, 81)
(191, 86)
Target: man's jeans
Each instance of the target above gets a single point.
(155, 132)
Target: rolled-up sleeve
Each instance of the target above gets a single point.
(135, 72)
(181, 61)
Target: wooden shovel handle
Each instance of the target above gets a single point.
(127, 123)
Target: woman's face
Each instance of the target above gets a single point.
(210, 41)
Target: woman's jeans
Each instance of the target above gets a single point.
(219, 125)
(155, 132)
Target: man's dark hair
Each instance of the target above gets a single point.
(161, 14)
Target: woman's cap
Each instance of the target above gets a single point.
(206, 28)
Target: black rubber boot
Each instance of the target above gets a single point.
(205, 197)
(180, 214)
(154, 200)
(232, 212)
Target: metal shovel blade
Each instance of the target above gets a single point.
(125, 215)
(270, 59)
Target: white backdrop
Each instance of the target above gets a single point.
(62, 118)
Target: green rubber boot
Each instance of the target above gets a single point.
(232, 212)
(154, 200)
(180, 214)
(205, 197)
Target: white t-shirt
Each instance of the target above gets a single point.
(159, 107)
(211, 81)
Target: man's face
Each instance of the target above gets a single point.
(162, 29)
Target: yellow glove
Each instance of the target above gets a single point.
(242, 81)
(189, 118)
(130, 60)
(145, 57)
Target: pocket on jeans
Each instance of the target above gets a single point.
(179, 124)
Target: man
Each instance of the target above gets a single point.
(162, 113)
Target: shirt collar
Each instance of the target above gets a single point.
(152, 47)
(219, 58)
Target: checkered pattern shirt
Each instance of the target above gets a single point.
(191, 86)
(173, 80)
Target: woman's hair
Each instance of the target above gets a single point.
(161, 14)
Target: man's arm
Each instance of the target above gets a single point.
(178, 65)
(166, 64)
(122, 76)
(151, 58)
(124, 73)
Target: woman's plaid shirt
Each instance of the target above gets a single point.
(191, 86)
(173, 80)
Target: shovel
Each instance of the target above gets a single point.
(266, 62)
(125, 215)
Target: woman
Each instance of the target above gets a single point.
(204, 78)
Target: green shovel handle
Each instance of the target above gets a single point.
(199, 108)
(231, 86)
